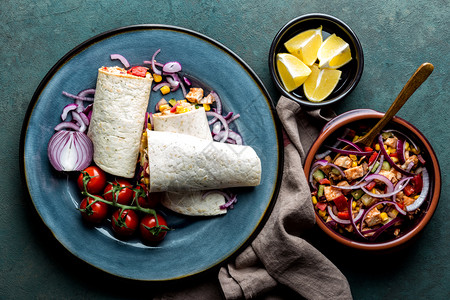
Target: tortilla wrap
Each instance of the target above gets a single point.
(180, 163)
(194, 123)
(118, 116)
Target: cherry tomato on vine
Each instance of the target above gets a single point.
(125, 225)
(122, 190)
(150, 231)
(145, 199)
(97, 181)
(93, 211)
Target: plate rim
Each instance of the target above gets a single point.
(137, 27)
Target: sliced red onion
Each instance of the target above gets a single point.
(223, 121)
(76, 97)
(349, 152)
(404, 136)
(236, 137)
(384, 227)
(421, 159)
(160, 85)
(230, 199)
(350, 143)
(423, 194)
(174, 85)
(68, 108)
(172, 67)
(88, 111)
(187, 81)
(218, 101)
(67, 125)
(353, 221)
(389, 159)
(83, 95)
(336, 144)
(77, 117)
(70, 151)
(401, 151)
(122, 59)
(341, 221)
(155, 70)
(324, 163)
(384, 179)
(85, 118)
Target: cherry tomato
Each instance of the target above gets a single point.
(125, 225)
(93, 211)
(121, 190)
(150, 231)
(145, 199)
(97, 180)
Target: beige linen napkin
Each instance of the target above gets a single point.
(279, 264)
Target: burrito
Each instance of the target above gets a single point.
(194, 203)
(179, 163)
(118, 116)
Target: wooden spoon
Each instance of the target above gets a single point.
(410, 87)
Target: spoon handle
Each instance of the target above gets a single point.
(410, 87)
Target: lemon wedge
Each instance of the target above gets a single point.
(334, 53)
(292, 70)
(305, 45)
(320, 83)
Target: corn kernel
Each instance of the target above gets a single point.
(353, 204)
(314, 200)
(353, 157)
(394, 159)
(157, 78)
(392, 150)
(377, 147)
(323, 213)
(165, 90)
(388, 151)
(384, 216)
(355, 138)
(354, 164)
(380, 206)
(385, 147)
(164, 107)
(206, 107)
(416, 196)
(407, 146)
(180, 109)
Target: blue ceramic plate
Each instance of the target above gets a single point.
(196, 244)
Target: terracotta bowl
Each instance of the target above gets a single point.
(427, 209)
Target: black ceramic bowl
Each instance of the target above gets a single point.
(351, 72)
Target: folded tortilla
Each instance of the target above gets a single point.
(194, 203)
(118, 116)
(180, 163)
(194, 123)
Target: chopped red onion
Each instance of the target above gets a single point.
(187, 81)
(155, 70)
(223, 121)
(68, 108)
(122, 59)
(172, 67)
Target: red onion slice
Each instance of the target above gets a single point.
(160, 85)
(388, 158)
(155, 70)
(77, 117)
(349, 152)
(122, 59)
(70, 151)
(172, 67)
(223, 121)
(68, 108)
(67, 125)
(350, 143)
(423, 194)
(76, 97)
(341, 221)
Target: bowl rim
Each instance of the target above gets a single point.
(327, 18)
(361, 114)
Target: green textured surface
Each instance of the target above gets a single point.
(397, 36)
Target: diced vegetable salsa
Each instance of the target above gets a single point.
(369, 193)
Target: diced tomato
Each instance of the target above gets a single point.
(324, 181)
(345, 215)
(138, 71)
(393, 154)
(418, 183)
(373, 157)
(368, 149)
(174, 108)
(341, 202)
(321, 205)
(370, 185)
(408, 190)
(401, 205)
